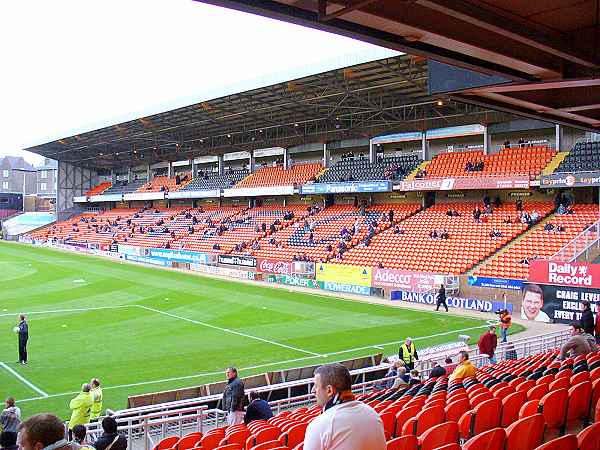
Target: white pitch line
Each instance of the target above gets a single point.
(227, 330)
(24, 380)
(55, 311)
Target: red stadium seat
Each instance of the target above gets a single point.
(489, 440)
(188, 441)
(456, 409)
(579, 401)
(439, 435)
(427, 418)
(511, 405)
(166, 443)
(483, 417)
(589, 438)
(554, 408)
(567, 442)
(525, 434)
(408, 442)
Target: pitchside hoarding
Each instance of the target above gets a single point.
(496, 283)
(408, 281)
(473, 304)
(566, 180)
(246, 261)
(464, 183)
(565, 273)
(348, 187)
(344, 275)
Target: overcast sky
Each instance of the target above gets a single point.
(70, 66)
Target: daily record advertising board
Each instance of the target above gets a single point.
(555, 291)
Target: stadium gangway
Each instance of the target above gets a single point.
(579, 245)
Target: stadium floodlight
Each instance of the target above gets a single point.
(440, 102)
(24, 179)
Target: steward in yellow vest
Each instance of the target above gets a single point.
(408, 353)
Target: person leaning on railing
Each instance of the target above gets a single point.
(505, 324)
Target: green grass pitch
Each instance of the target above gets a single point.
(141, 329)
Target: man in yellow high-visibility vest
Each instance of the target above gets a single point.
(408, 353)
(96, 394)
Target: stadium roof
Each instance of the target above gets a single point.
(547, 51)
(359, 101)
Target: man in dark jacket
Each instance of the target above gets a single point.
(258, 409)
(23, 337)
(110, 438)
(488, 342)
(441, 298)
(587, 318)
(233, 397)
(437, 371)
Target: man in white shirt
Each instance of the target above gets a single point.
(345, 424)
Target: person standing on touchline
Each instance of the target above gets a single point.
(23, 331)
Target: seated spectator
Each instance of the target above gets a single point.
(258, 409)
(507, 219)
(495, 233)
(402, 378)
(549, 227)
(444, 235)
(79, 433)
(10, 418)
(110, 438)
(497, 201)
(398, 230)
(46, 430)
(469, 166)
(579, 344)
(450, 366)
(559, 229)
(216, 247)
(329, 248)
(380, 265)
(415, 377)
(433, 234)
(345, 422)
(477, 214)
(437, 371)
(8, 440)
(464, 369)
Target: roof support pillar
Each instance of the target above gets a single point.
(113, 177)
(194, 167)
(558, 130)
(170, 169)
(372, 152)
(286, 158)
(487, 140)
(148, 172)
(325, 155)
(220, 165)
(424, 149)
(251, 163)
(129, 175)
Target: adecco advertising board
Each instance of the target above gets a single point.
(408, 281)
(343, 274)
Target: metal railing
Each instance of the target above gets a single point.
(579, 245)
(145, 426)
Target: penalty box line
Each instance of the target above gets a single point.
(24, 380)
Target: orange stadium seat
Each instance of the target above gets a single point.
(277, 176)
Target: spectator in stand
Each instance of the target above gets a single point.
(10, 418)
(587, 318)
(519, 204)
(258, 409)
(233, 397)
(43, 431)
(81, 407)
(79, 433)
(488, 342)
(597, 328)
(464, 369)
(579, 344)
(345, 424)
(402, 378)
(437, 371)
(8, 440)
(110, 439)
(505, 323)
(450, 366)
(415, 377)
(408, 353)
(441, 298)
(477, 214)
(391, 215)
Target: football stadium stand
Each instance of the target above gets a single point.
(508, 161)
(278, 176)
(411, 247)
(533, 402)
(212, 180)
(389, 168)
(97, 190)
(163, 183)
(541, 242)
(124, 187)
(584, 156)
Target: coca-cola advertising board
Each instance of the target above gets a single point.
(405, 280)
(570, 274)
(275, 266)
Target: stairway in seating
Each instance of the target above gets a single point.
(510, 244)
(555, 162)
(422, 166)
